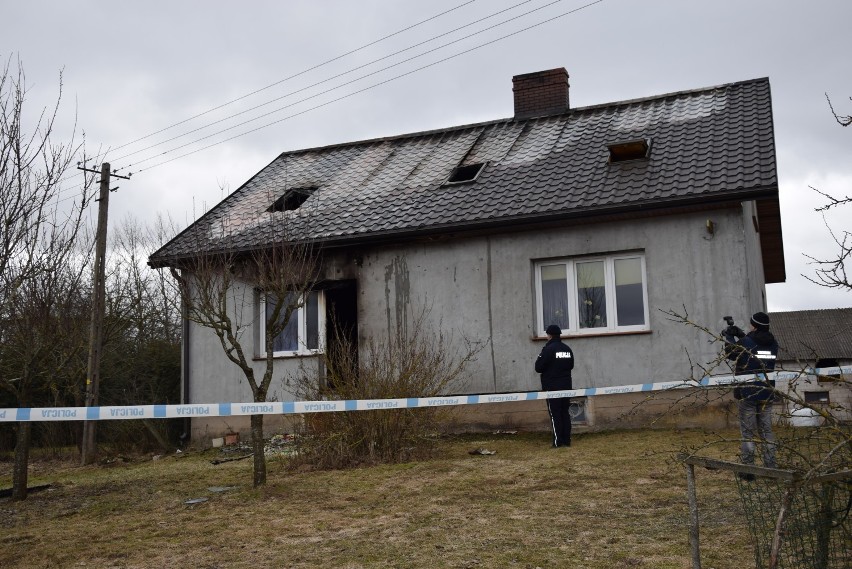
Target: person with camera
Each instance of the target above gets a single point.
(754, 354)
(555, 363)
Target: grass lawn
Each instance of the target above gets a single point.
(615, 499)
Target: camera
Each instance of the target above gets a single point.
(732, 329)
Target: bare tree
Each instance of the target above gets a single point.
(141, 360)
(803, 508)
(221, 290)
(35, 230)
(44, 343)
(832, 272)
(841, 119)
(39, 259)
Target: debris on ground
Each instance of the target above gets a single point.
(280, 444)
(196, 501)
(224, 460)
(505, 432)
(482, 451)
(277, 445)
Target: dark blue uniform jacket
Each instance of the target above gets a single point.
(555, 363)
(754, 353)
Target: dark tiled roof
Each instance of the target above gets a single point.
(707, 145)
(807, 335)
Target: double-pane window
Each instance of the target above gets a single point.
(589, 295)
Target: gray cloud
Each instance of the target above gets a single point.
(133, 68)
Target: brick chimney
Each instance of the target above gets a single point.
(541, 93)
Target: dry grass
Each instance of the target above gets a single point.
(612, 500)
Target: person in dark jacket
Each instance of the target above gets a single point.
(754, 353)
(555, 363)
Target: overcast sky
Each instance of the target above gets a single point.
(132, 69)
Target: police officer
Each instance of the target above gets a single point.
(555, 363)
(754, 353)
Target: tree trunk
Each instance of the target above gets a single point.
(258, 450)
(22, 459)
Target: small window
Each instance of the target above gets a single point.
(291, 199)
(827, 363)
(817, 397)
(638, 149)
(463, 174)
(304, 333)
(577, 410)
(592, 295)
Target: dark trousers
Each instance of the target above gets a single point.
(560, 420)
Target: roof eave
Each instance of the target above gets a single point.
(521, 222)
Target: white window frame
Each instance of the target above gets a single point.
(303, 349)
(609, 288)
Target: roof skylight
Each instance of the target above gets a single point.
(637, 149)
(463, 174)
(291, 199)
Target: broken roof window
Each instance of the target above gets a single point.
(462, 174)
(637, 149)
(291, 199)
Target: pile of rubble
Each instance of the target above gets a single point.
(281, 444)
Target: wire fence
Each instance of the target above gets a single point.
(804, 522)
(799, 515)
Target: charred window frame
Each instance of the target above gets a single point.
(465, 174)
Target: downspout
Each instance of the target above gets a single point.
(490, 312)
(186, 436)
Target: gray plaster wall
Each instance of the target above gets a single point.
(482, 288)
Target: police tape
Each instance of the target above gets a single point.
(22, 414)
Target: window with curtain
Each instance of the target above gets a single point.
(303, 333)
(592, 294)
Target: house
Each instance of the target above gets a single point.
(816, 339)
(597, 218)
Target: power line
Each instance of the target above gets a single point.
(291, 93)
(279, 109)
(373, 86)
(346, 83)
(317, 66)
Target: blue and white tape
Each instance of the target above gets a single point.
(291, 407)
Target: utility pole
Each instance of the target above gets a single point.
(89, 445)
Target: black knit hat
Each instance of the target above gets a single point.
(554, 330)
(760, 320)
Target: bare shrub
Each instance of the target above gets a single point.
(425, 362)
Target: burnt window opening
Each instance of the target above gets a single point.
(462, 174)
(291, 199)
(638, 149)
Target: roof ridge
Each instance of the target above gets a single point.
(443, 130)
(672, 94)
